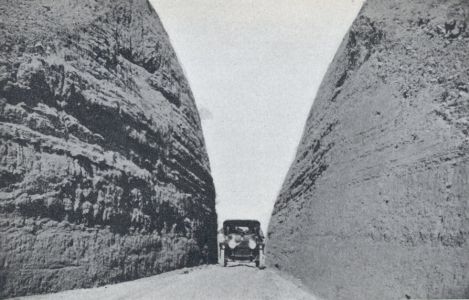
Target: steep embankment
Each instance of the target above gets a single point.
(375, 205)
(104, 175)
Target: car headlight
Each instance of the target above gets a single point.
(220, 238)
(252, 244)
(232, 243)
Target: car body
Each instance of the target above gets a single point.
(241, 240)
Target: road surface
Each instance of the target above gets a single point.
(239, 281)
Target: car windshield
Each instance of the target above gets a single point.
(241, 228)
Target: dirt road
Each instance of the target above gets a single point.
(207, 282)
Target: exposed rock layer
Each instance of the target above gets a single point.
(375, 205)
(104, 175)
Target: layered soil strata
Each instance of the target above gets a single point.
(104, 174)
(375, 204)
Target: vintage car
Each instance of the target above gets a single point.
(241, 240)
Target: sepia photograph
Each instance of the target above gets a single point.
(234, 149)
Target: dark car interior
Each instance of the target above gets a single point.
(242, 227)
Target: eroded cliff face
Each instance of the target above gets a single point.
(375, 205)
(104, 175)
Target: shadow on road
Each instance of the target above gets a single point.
(241, 265)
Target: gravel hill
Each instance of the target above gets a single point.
(375, 204)
(104, 175)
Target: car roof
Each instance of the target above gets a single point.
(241, 222)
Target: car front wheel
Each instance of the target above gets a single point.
(221, 258)
(260, 262)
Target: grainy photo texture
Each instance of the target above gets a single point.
(272, 158)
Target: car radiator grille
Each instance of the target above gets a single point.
(242, 251)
